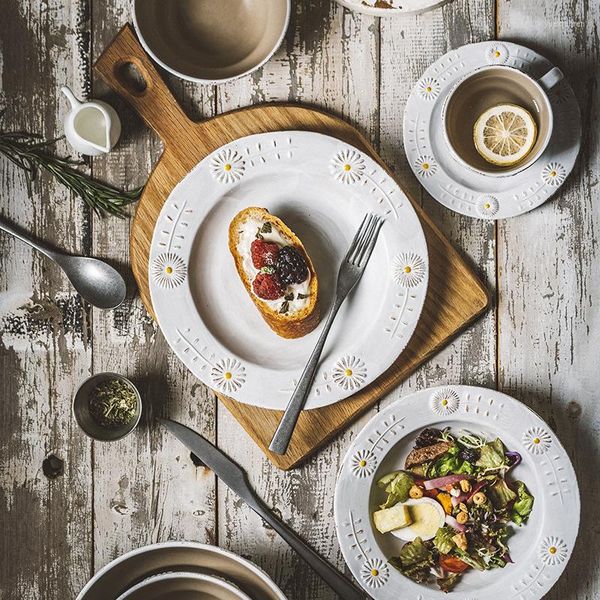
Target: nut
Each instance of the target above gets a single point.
(415, 492)
(465, 485)
(455, 492)
(462, 506)
(479, 498)
(462, 517)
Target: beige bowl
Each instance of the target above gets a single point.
(184, 586)
(135, 566)
(211, 41)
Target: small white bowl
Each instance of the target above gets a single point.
(211, 42)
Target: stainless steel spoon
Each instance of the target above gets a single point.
(96, 281)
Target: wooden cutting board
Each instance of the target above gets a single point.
(455, 296)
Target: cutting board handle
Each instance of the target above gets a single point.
(147, 91)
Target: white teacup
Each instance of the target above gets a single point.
(487, 87)
(211, 41)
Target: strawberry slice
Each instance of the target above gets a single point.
(264, 254)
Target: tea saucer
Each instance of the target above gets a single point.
(461, 189)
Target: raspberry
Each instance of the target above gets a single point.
(291, 266)
(267, 286)
(264, 254)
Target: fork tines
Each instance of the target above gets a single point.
(364, 241)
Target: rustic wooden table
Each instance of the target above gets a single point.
(537, 343)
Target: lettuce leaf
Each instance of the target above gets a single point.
(396, 485)
(450, 463)
(523, 504)
(415, 561)
(447, 583)
(500, 494)
(443, 540)
(492, 456)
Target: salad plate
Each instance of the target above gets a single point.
(488, 456)
(322, 187)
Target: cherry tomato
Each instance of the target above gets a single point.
(452, 564)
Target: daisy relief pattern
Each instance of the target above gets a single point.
(444, 402)
(496, 54)
(374, 573)
(426, 166)
(347, 166)
(228, 375)
(227, 166)
(408, 270)
(363, 463)
(429, 88)
(553, 551)
(537, 440)
(488, 206)
(554, 174)
(168, 270)
(349, 373)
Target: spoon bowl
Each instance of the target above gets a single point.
(96, 281)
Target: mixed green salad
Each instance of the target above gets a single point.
(453, 504)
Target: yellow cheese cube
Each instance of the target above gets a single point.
(392, 518)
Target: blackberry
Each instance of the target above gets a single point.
(291, 266)
(469, 454)
(427, 437)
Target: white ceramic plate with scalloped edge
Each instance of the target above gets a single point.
(321, 187)
(540, 549)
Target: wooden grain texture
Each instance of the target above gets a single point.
(454, 298)
(54, 533)
(549, 277)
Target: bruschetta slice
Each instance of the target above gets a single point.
(276, 271)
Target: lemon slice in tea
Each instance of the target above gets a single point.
(504, 134)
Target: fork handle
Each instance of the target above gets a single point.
(285, 429)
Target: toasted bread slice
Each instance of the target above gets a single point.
(289, 318)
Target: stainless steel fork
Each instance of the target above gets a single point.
(351, 270)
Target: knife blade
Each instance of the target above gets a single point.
(230, 473)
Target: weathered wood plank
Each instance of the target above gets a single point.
(45, 351)
(329, 59)
(549, 278)
(146, 487)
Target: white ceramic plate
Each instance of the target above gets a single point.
(321, 187)
(135, 566)
(394, 8)
(456, 186)
(540, 549)
(183, 586)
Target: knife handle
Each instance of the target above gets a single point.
(329, 574)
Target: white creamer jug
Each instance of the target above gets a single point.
(92, 128)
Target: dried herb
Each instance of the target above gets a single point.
(268, 270)
(29, 152)
(303, 296)
(289, 296)
(113, 403)
(284, 307)
(266, 228)
(259, 235)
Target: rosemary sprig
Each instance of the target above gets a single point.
(28, 152)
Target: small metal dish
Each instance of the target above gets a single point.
(81, 410)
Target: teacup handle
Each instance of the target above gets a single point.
(551, 78)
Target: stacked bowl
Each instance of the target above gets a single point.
(182, 570)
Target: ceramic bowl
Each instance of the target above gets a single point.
(211, 42)
(190, 557)
(184, 585)
(81, 410)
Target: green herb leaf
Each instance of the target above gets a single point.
(266, 228)
(268, 270)
(284, 307)
(303, 296)
(289, 296)
(29, 152)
